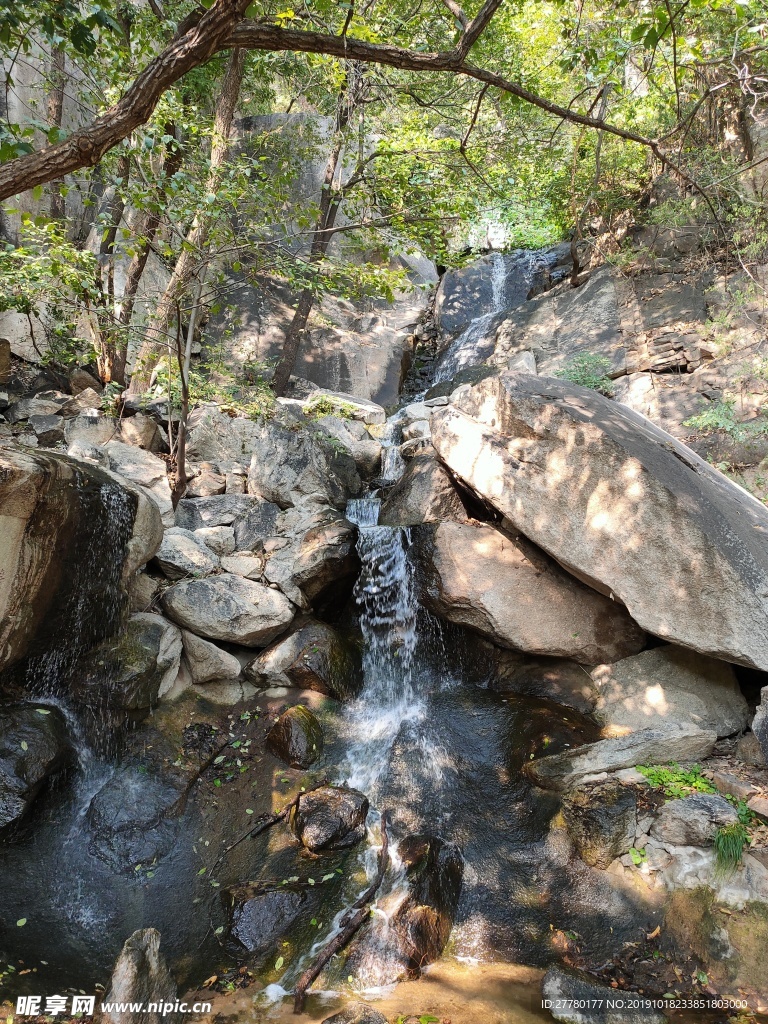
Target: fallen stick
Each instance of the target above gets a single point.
(349, 924)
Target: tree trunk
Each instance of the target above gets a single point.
(187, 264)
(55, 111)
(110, 359)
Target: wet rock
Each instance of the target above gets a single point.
(182, 553)
(661, 744)
(601, 821)
(296, 738)
(207, 662)
(145, 469)
(670, 684)
(315, 656)
(133, 818)
(516, 596)
(575, 997)
(129, 672)
(424, 494)
(621, 504)
(259, 913)
(141, 977)
(560, 680)
(313, 555)
(330, 818)
(33, 747)
(693, 820)
(228, 607)
(357, 1013)
(422, 922)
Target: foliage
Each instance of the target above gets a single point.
(252, 398)
(327, 405)
(589, 371)
(721, 416)
(638, 856)
(676, 782)
(730, 841)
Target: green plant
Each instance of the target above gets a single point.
(676, 782)
(589, 371)
(110, 398)
(721, 416)
(326, 405)
(638, 856)
(730, 841)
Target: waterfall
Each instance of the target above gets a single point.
(392, 463)
(385, 595)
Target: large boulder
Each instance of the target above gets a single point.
(259, 913)
(601, 821)
(621, 505)
(141, 977)
(33, 747)
(329, 818)
(424, 494)
(517, 596)
(228, 607)
(664, 743)
(289, 464)
(693, 820)
(353, 436)
(314, 656)
(252, 519)
(145, 469)
(760, 723)
(57, 519)
(184, 554)
(130, 671)
(296, 738)
(670, 684)
(312, 555)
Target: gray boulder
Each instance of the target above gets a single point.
(48, 429)
(312, 553)
(26, 407)
(90, 430)
(219, 539)
(145, 469)
(182, 554)
(601, 821)
(33, 747)
(314, 656)
(648, 746)
(693, 820)
(353, 437)
(760, 723)
(329, 818)
(518, 597)
(207, 662)
(575, 997)
(259, 913)
(670, 684)
(228, 607)
(621, 505)
(141, 977)
(424, 494)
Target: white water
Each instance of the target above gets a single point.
(392, 463)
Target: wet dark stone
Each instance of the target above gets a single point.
(33, 747)
(296, 738)
(423, 922)
(357, 1013)
(578, 998)
(330, 818)
(259, 913)
(132, 819)
(601, 821)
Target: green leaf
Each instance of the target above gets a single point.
(24, 745)
(21, 922)
(42, 711)
(279, 963)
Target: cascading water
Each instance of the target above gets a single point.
(392, 463)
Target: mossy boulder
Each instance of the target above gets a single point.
(296, 738)
(601, 821)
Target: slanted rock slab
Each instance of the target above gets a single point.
(693, 820)
(184, 554)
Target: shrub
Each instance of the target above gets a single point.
(588, 371)
(730, 841)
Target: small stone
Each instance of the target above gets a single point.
(220, 539)
(725, 783)
(759, 806)
(49, 429)
(749, 751)
(296, 738)
(432, 403)
(206, 484)
(243, 564)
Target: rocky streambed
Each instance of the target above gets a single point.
(459, 628)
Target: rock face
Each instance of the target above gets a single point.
(33, 747)
(252, 519)
(620, 504)
(670, 684)
(314, 656)
(330, 818)
(141, 977)
(516, 596)
(425, 494)
(183, 554)
(129, 672)
(296, 738)
(144, 469)
(601, 821)
(207, 662)
(760, 723)
(693, 820)
(57, 517)
(289, 465)
(574, 997)
(648, 746)
(259, 913)
(228, 607)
